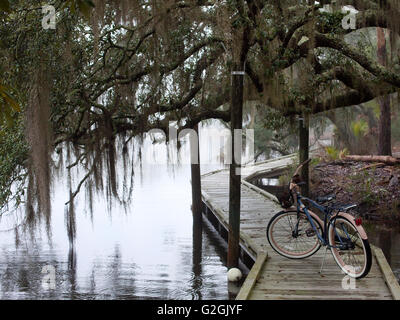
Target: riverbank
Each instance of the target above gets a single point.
(375, 188)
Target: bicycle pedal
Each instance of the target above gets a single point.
(310, 233)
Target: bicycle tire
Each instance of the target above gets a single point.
(356, 269)
(273, 234)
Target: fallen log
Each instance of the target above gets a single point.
(374, 165)
(384, 159)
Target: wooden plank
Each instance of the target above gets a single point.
(268, 161)
(312, 295)
(261, 191)
(245, 241)
(252, 277)
(283, 278)
(327, 284)
(390, 278)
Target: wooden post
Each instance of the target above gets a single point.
(234, 172)
(197, 206)
(197, 244)
(196, 177)
(304, 136)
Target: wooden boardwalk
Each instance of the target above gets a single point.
(273, 276)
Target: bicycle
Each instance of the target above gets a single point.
(300, 233)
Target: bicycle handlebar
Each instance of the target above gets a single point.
(294, 181)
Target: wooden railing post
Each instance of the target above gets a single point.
(234, 172)
(196, 176)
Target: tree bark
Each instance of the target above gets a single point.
(385, 143)
(304, 145)
(384, 159)
(234, 172)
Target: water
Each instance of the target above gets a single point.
(148, 251)
(388, 239)
(269, 182)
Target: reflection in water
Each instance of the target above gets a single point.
(197, 280)
(155, 251)
(151, 249)
(388, 239)
(72, 271)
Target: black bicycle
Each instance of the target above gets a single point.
(298, 233)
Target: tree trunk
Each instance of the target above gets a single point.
(304, 144)
(385, 143)
(234, 173)
(385, 134)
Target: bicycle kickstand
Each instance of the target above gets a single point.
(323, 260)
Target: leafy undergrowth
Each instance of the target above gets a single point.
(376, 189)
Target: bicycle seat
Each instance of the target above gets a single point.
(325, 198)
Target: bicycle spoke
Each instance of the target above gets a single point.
(284, 238)
(349, 252)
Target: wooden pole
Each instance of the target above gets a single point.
(196, 177)
(197, 206)
(197, 250)
(304, 145)
(234, 172)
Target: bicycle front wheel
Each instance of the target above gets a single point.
(350, 251)
(283, 238)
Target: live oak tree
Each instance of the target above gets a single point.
(101, 79)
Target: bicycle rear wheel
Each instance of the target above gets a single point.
(282, 238)
(350, 251)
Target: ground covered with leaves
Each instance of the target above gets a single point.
(374, 187)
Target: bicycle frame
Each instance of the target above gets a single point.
(329, 218)
(327, 213)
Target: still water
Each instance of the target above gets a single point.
(146, 253)
(147, 250)
(388, 239)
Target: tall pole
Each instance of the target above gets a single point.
(196, 178)
(234, 170)
(304, 145)
(197, 206)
